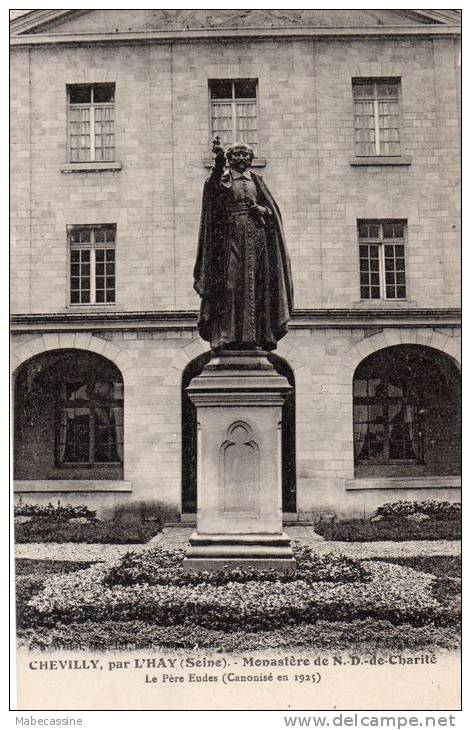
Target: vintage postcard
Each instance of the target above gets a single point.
(235, 339)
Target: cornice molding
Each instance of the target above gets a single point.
(225, 34)
(187, 319)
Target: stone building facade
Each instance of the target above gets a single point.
(355, 116)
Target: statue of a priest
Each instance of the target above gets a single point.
(242, 271)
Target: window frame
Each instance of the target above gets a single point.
(92, 246)
(363, 81)
(92, 105)
(381, 244)
(233, 100)
(63, 404)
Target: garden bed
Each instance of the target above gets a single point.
(394, 529)
(127, 524)
(144, 600)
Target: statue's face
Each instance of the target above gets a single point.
(240, 158)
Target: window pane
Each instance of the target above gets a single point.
(245, 88)
(359, 388)
(389, 89)
(246, 124)
(76, 440)
(361, 90)
(104, 133)
(105, 435)
(79, 134)
(103, 93)
(221, 123)
(80, 93)
(221, 89)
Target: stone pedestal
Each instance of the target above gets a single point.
(238, 397)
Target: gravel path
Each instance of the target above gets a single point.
(365, 550)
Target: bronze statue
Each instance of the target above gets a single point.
(242, 271)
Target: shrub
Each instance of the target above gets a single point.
(164, 567)
(45, 530)
(53, 512)
(394, 528)
(127, 523)
(433, 509)
(141, 512)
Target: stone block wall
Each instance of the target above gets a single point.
(323, 362)
(305, 119)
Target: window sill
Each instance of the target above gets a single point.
(71, 485)
(380, 160)
(92, 307)
(256, 162)
(91, 166)
(453, 482)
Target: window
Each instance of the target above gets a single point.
(376, 117)
(90, 428)
(233, 110)
(387, 420)
(382, 261)
(92, 264)
(91, 122)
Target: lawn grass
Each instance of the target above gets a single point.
(391, 529)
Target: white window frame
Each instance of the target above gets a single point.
(92, 105)
(381, 243)
(92, 246)
(233, 102)
(375, 100)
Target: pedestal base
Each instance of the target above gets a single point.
(213, 553)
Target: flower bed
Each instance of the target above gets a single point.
(358, 635)
(128, 523)
(393, 528)
(379, 591)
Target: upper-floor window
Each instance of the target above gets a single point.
(91, 122)
(376, 117)
(92, 264)
(233, 111)
(382, 259)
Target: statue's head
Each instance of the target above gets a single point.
(239, 156)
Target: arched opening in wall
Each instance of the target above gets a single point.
(68, 417)
(406, 414)
(189, 437)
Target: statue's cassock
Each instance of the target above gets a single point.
(242, 271)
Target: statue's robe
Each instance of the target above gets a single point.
(242, 271)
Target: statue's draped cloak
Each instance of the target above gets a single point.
(226, 252)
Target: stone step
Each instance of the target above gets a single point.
(247, 540)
